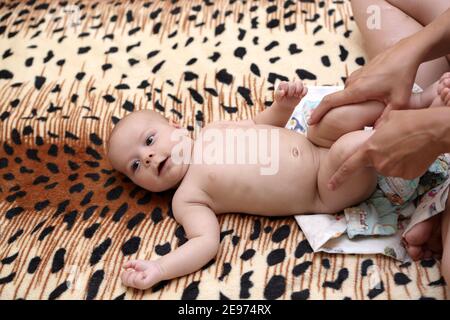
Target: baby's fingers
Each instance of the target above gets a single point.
(134, 264)
(298, 88)
(291, 90)
(125, 276)
(279, 94)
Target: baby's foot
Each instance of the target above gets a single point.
(443, 92)
(289, 94)
(436, 95)
(423, 241)
(141, 274)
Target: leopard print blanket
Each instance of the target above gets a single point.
(70, 70)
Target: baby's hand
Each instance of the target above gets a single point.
(141, 274)
(289, 94)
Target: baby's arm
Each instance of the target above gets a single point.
(202, 229)
(287, 97)
(342, 120)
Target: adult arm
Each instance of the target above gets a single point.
(404, 145)
(389, 77)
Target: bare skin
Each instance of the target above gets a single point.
(389, 78)
(413, 130)
(398, 54)
(140, 147)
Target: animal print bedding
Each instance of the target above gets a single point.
(69, 70)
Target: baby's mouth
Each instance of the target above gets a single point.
(161, 165)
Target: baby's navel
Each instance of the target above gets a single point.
(295, 152)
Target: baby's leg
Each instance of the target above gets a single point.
(342, 120)
(357, 188)
(394, 25)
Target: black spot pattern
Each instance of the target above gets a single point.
(60, 191)
(275, 288)
(342, 276)
(131, 246)
(246, 285)
(191, 291)
(94, 284)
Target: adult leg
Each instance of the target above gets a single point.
(394, 25)
(423, 12)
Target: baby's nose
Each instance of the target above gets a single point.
(148, 159)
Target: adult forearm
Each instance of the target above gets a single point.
(433, 41)
(440, 125)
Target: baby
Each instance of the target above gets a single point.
(143, 146)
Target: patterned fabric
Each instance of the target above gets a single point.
(69, 70)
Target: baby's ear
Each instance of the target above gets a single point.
(174, 123)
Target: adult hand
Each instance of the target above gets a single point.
(388, 78)
(405, 144)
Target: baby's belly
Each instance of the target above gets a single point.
(286, 188)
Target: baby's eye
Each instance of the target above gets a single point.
(149, 140)
(135, 165)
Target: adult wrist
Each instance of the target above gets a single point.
(417, 47)
(432, 41)
(440, 127)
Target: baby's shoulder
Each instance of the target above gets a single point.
(185, 197)
(189, 191)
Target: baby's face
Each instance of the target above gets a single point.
(141, 149)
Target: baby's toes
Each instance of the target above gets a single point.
(444, 90)
(446, 96)
(444, 76)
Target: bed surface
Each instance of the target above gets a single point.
(69, 71)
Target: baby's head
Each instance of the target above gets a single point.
(140, 147)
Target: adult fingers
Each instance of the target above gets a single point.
(384, 115)
(352, 77)
(355, 162)
(346, 96)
